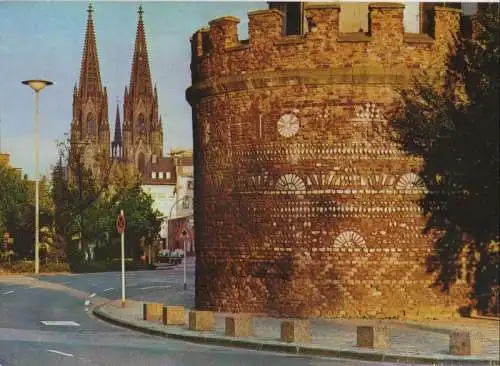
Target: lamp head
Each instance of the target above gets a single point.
(37, 85)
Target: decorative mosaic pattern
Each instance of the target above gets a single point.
(290, 182)
(288, 125)
(349, 239)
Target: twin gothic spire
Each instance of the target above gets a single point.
(90, 77)
(140, 77)
(90, 92)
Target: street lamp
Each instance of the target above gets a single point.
(185, 198)
(37, 86)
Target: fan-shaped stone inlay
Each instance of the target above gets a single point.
(290, 182)
(349, 239)
(381, 181)
(288, 125)
(410, 181)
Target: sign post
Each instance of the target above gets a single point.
(184, 235)
(120, 226)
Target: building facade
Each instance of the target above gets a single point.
(304, 205)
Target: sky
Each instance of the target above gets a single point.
(44, 39)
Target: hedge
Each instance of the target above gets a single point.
(29, 267)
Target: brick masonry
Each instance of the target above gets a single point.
(305, 207)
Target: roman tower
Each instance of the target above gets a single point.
(305, 206)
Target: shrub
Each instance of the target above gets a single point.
(29, 267)
(54, 267)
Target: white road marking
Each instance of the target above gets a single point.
(6, 293)
(36, 286)
(150, 287)
(92, 295)
(60, 353)
(94, 285)
(108, 289)
(60, 323)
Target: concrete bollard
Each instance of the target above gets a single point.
(295, 331)
(173, 315)
(465, 343)
(239, 326)
(152, 311)
(373, 337)
(201, 320)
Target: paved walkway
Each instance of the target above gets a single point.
(411, 342)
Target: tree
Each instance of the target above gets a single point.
(142, 222)
(453, 126)
(88, 204)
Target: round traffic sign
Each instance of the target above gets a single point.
(120, 223)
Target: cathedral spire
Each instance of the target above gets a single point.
(140, 77)
(117, 144)
(118, 129)
(90, 78)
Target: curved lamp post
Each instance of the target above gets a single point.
(186, 197)
(37, 86)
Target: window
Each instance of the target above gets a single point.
(142, 162)
(90, 125)
(168, 175)
(190, 184)
(142, 125)
(160, 175)
(186, 203)
(292, 24)
(153, 175)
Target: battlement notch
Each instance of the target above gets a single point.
(223, 33)
(385, 22)
(323, 20)
(265, 26)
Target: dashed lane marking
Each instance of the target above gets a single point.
(64, 323)
(6, 293)
(109, 289)
(60, 353)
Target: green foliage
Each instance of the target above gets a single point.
(29, 267)
(17, 210)
(113, 266)
(454, 128)
(87, 207)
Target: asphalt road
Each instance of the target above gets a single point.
(163, 285)
(25, 340)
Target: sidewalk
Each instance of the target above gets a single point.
(411, 342)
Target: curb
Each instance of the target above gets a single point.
(271, 346)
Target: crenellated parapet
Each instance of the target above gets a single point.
(217, 51)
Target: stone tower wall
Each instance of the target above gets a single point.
(304, 205)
